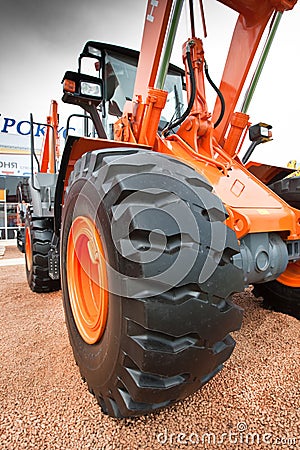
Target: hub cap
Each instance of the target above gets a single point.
(28, 249)
(87, 279)
(291, 276)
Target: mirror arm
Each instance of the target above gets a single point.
(250, 150)
(92, 110)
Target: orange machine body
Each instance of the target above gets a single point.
(251, 206)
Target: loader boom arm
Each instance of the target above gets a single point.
(254, 15)
(253, 18)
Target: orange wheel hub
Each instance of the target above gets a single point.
(291, 276)
(87, 279)
(28, 248)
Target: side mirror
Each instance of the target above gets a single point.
(81, 88)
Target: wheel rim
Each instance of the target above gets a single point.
(28, 248)
(291, 276)
(87, 279)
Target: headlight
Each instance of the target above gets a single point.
(91, 89)
(94, 51)
(264, 131)
(260, 132)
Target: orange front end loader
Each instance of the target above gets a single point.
(157, 221)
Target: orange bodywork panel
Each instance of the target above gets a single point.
(251, 206)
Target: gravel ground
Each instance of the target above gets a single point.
(253, 403)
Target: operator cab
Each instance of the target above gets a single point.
(104, 96)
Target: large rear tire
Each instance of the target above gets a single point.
(289, 190)
(283, 294)
(38, 236)
(145, 335)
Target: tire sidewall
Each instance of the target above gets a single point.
(29, 271)
(97, 361)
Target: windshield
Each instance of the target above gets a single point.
(120, 74)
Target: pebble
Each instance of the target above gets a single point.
(44, 404)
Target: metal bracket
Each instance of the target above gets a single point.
(53, 259)
(293, 248)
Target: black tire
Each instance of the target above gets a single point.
(277, 296)
(40, 232)
(21, 240)
(157, 347)
(289, 190)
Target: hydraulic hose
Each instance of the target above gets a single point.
(219, 94)
(179, 121)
